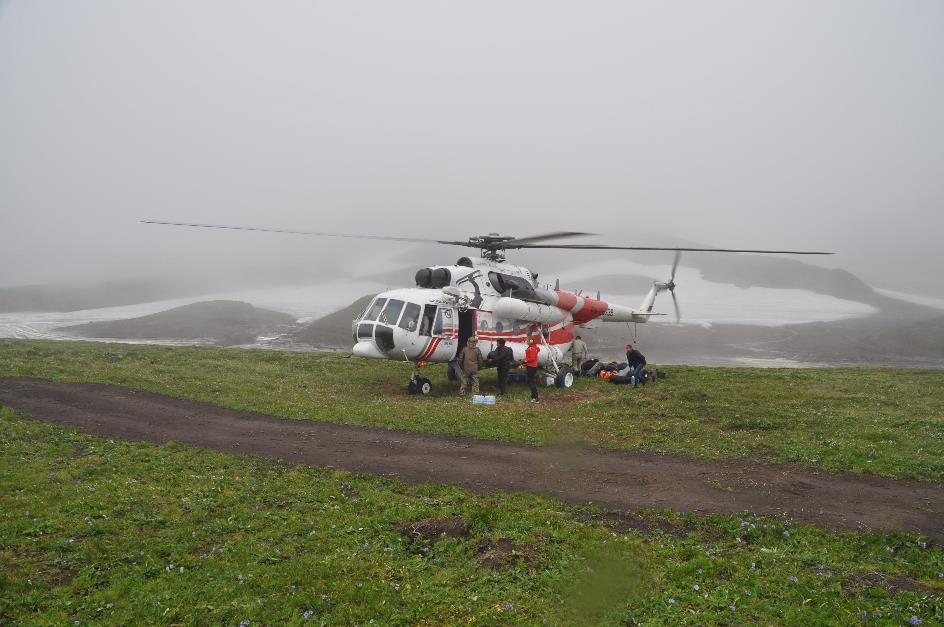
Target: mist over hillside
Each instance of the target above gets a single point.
(220, 322)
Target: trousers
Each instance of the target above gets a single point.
(502, 380)
(466, 378)
(532, 383)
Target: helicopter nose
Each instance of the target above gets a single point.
(367, 349)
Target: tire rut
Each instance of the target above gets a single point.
(614, 479)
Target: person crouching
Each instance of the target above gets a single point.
(470, 362)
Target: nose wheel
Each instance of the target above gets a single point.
(419, 385)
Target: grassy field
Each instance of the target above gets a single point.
(94, 531)
(879, 421)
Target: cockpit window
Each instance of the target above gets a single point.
(410, 315)
(375, 309)
(391, 312)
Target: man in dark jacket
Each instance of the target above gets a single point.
(504, 359)
(636, 361)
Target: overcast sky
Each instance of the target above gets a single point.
(741, 124)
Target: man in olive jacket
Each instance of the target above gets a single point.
(470, 361)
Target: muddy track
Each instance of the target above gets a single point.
(618, 480)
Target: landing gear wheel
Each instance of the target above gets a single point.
(420, 385)
(565, 378)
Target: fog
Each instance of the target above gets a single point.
(733, 124)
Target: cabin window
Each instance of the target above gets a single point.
(375, 309)
(365, 331)
(410, 316)
(391, 312)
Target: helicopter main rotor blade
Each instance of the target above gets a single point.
(678, 314)
(678, 255)
(522, 241)
(415, 240)
(676, 248)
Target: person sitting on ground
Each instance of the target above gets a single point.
(531, 363)
(504, 359)
(578, 353)
(470, 362)
(637, 361)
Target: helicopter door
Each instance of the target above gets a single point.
(426, 322)
(442, 346)
(466, 326)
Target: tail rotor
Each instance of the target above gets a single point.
(670, 286)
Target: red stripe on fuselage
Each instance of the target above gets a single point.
(430, 347)
(591, 310)
(566, 300)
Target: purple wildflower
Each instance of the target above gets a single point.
(244, 623)
(786, 534)
(308, 614)
(671, 601)
(793, 579)
(510, 607)
(914, 620)
(733, 608)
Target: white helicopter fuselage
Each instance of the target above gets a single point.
(487, 299)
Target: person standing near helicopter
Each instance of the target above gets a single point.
(531, 363)
(503, 358)
(470, 362)
(579, 353)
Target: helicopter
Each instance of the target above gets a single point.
(490, 299)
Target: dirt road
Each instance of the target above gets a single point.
(618, 480)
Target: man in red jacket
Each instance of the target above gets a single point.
(531, 363)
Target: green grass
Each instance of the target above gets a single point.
(97, 531)
(879, 421)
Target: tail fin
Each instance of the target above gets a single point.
(650, 299)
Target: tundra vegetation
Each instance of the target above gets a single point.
(94, 530)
